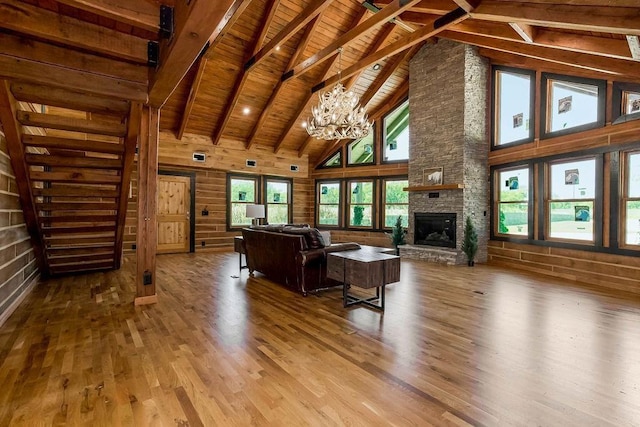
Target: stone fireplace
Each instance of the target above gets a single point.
(435, 229)
(448, 91)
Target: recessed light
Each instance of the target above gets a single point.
(277, 47)
(304, 125)
(376, 67)
(246, 110)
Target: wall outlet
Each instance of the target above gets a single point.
(147, 278)
(133, 246)
(203, 243)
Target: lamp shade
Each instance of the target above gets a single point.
(255, 211)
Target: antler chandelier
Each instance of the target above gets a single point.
(338, 114)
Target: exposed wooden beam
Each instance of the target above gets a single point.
(37, 72)
(242, 77)
(634, 46)
(225, 25)
(385, 74)
(300, 21)
(426, 32)
(12, 133)
(615, 67)
(525, 31)
(67, 99)
(195, 24)
(141, 14)
(193, 93)
(147, 220)
(467, 5)
(129, 141)
(23, 18)
(28, 118)
(376, 21)
(302, 45)
(606, 19)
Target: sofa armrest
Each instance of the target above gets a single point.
(309, 256)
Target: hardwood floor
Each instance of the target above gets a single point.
(456, 346)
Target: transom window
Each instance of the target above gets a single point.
(571, 203)
(513, 105)
(361, 151)
(328, 203)
(278, 201)
(512, 203)
(360, 203)
(334, 161)
(630, 102)
(396, 134)
(396, 202)
(573, 104)
(631, 200)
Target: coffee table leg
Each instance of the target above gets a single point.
(382, 299)
(344, 294)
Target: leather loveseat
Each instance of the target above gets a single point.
(293, 256)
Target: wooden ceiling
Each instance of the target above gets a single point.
(253, 81)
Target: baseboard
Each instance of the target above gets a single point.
(9, 311)
(151, 299)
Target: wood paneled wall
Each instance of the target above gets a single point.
(606, 270)
(18, 270)
(211, 186)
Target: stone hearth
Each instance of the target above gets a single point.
(448, 129)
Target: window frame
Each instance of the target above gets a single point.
(340, 203)
(597, 201)
(495, 110)
(348, 203)
(544, 110)
(495, 205)
(383, 134)
(338, 166)
(258, 198)
(619, 88)
(384, 204)
(625, 177)
(289, 181)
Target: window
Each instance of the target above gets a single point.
(334, 161)
(631, 200)
(243, 190)
(278, 201)
(512, 201)
(328, 203)
(513, 105)
(396, 202)
(625, 102)
(360, 203)
(572, 104)
(360, 152)
(396, 134)
(571, 203)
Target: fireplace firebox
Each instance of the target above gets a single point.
(435, 229)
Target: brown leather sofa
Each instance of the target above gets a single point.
(295, 257)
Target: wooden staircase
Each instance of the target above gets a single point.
(72, 158)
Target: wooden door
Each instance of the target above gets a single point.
(174, 221)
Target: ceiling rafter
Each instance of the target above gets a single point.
(386, 73)
(139, 14)
(381, 39)
(196, 23)
(408, 41)
(225, 25)
(302, 46)
(376, 21)
(26, 19)
(232, 101)
(634, 46)
(613, 66)
(300, 21)
(525, 31)
(193, 93)
(360, 17)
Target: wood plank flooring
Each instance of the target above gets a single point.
(456, 346)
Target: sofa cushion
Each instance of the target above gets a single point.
(311, 236)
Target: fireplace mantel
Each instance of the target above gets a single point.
(435, 187)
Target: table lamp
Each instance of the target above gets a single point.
(256, 213)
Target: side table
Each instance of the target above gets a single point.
(238, 246)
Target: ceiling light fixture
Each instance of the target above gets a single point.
(338, 114)
(246, 111)
(376, 66)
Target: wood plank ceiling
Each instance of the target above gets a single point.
(254, 82)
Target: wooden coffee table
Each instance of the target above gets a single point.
(365, 268)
